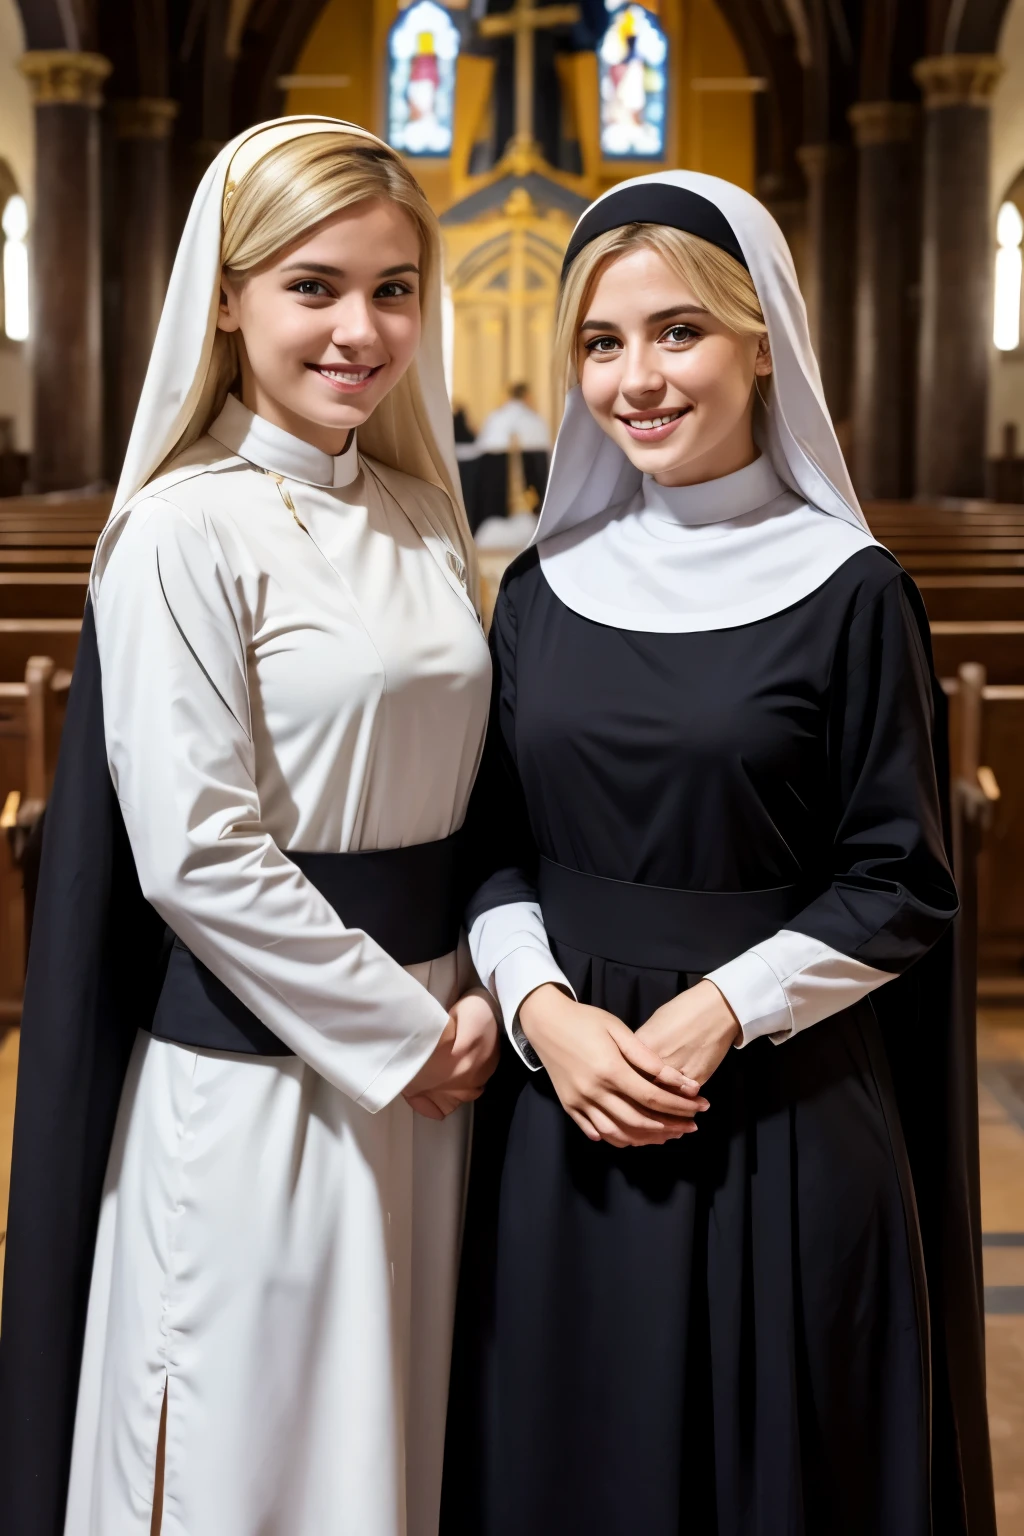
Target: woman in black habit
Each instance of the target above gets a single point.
(720, 1267)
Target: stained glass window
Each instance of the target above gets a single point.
(423, 47)
(632, 60)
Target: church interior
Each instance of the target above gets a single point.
(886, 137)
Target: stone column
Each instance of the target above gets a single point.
(143, 128)
(884, 328)
(831, 206)
(66, 345)
(956, 274)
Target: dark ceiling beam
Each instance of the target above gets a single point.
(894, 37)
(766, 41)
(965, 26)
(832, 81)
(67, 24)
(272, 42)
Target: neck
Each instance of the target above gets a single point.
(329, 440)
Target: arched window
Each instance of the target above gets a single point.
(633, 60)
(14, 318)
(1009, 237)
(422, 50)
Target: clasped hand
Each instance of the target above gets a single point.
(462, 1061)
(631, 1090)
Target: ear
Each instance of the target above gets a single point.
(763, 361)
(228, 318)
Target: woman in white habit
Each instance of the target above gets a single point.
(294, 679)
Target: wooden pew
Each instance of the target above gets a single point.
(43, 594)
(56, 532)
(31, 716)
(996, 644)
(962, 596)
(986, 729)
(21, 639)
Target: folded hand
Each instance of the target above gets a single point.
(463, 1060)
(611, 1083)
(693, 1031)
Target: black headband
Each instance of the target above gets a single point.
(655, 202)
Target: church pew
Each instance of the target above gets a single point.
(43, 594)
(29, 558)
(986, 728)
(92, 504)
(997, 644)
(31, 716)
(961, 596)
(21, 639)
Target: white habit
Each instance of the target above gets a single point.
(279, 1236)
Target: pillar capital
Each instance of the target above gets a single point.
(144, 117)
(882, 122)
(958, 79)
(61, 77)
(819, 159)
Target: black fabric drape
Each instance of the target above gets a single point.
(94, 975)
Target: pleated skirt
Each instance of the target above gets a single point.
(725, 1336)
(283, 1265)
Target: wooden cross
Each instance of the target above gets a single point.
(521, 22)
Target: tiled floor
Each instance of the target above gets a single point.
(1001, 1062)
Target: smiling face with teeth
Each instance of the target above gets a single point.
(330, 324)
(667, 380)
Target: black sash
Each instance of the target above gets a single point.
(655, 927)
(408, 899)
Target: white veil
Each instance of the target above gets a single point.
(410, 430)
(590, 473)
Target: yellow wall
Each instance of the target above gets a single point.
(715, 129)
(708, 131)
(348, 38)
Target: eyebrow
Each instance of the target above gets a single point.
(326, 271)
(661, 314)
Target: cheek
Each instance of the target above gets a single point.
(710, 377)
(599, 384)
(279, 335)
(400, 334)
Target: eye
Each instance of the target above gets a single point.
(310, 288)
(392, 290)
(602, 346)
(679, 335)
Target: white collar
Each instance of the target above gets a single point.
(715, 501)
(681, 559)
(267, 446)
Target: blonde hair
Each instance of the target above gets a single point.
(286, 194)
(717, 280)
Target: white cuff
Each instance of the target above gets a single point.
(513, 958)
(790, 982)
(755, 995)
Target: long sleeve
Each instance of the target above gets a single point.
(507, 938)
(892, 894)
(171, 627)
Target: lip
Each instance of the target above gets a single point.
(653, 434)
(346, 386)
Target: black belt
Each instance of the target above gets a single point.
(656, 927)
(408, 899)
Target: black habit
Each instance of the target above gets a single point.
(772, 1327)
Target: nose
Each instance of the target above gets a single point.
(355, 326)
(641, 371)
